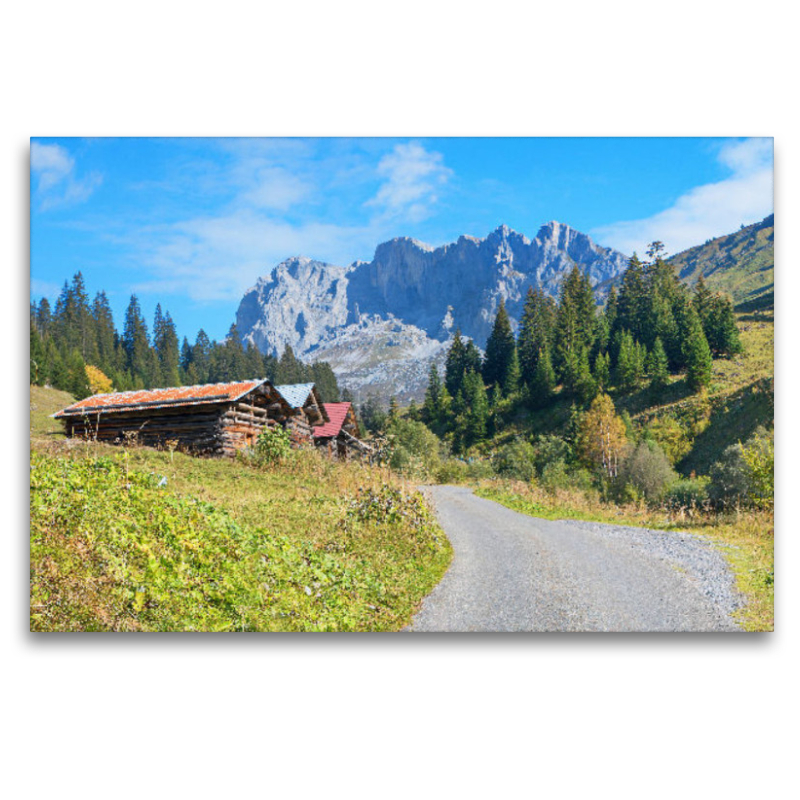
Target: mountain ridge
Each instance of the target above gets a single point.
(313, 306)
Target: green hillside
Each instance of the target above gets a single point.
(740, 264)
(137, 539)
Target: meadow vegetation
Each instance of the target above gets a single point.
(136, 539)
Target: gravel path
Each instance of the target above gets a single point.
(512, 572)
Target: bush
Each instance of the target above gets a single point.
(647, 469)
(745, 473)
(272, 447)
(549, 449)
(515, 460)
(415, 449)
(557, 475)
(687, 493)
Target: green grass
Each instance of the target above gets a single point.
(746, 539)
(742, 264)
(220, 544)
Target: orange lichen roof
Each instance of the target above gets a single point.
(156, 398)
(337, 413)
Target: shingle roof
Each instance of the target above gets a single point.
(295, 394)
(157, 398)
(337, 413)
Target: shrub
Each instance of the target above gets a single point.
(745, 473)
(272, 447)
(515, 460)
(647, 468)
(548, 449)
(415, 449)
(671, 436)
(687, 493)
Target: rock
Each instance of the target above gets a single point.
(414, 293)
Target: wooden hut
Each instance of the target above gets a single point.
(341, 435)
(307, 411)
(213, 419)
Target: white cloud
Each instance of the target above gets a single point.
(57, 184)
(219, 258)
(412, 178)
(278, 204)
(706, 211)
(276, 188)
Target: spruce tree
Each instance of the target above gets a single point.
(585, 384)
(201, 357)
(106, 333)
(500, 348)
(38, 368)
(136, 345)
(575, 321)
(476, 410)
(658, 367)
(43, 318)
(632, 306)
(698, 359)
(536, 330)
(512, 381)
(325, 381)
(628, 368)
(719, 326)
(454, 364)
(602, 371)
(542, 387)
(431, 408)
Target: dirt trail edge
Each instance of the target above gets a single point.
(512, 572)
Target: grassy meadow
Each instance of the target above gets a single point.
(136, 539)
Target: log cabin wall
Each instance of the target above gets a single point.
(207, 429)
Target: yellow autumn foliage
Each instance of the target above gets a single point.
(99, 382)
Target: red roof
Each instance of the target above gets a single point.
(155, 398)
(337, 412)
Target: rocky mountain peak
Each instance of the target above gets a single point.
(428, 291)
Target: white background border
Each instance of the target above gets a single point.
(395, 716)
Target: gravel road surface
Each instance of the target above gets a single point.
(512, 572)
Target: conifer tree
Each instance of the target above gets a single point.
(585, 384)
(536, 330)
(698, 359)
(454, 365)
(43, 318)
(610, 310)
(77, 383)
(628, 369)
(575, 322)
(477, 409)
(500, 347)
(165, 343)
(394, 412)
(136, 345)
(658, 367)
(719, 326)
(632, 306)
(105, 332)
(602, 370)
(701, 299)
(38, 369)
(201, 357)
(543, 384)
(512, 381)
(432, 407)
(325, 381)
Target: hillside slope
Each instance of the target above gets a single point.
(741, 264)
(134, 539)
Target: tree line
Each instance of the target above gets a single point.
(76, 346)
(652, 328)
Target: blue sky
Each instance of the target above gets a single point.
(193, 223)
